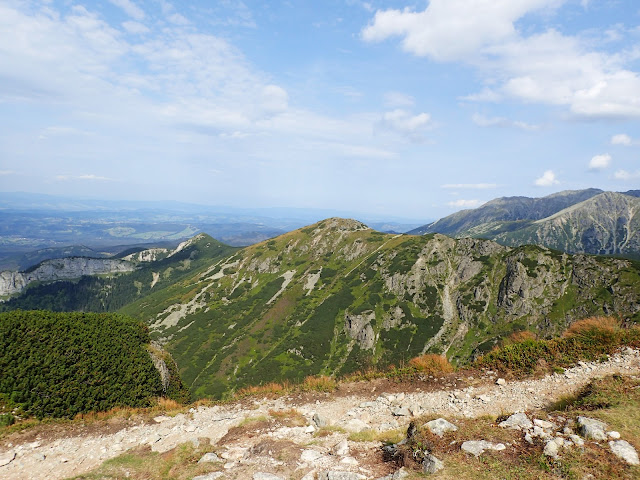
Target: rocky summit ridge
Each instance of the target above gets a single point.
(580, 221)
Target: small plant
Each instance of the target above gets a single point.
(7, 419)
(320, 383)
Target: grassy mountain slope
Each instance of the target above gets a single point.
(337, 297)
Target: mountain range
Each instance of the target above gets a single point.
(580, 221)
(336, 297)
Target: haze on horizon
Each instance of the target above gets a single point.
(389, 108)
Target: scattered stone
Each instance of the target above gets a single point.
(614, 435)
(190, 428)
(592, 429)
(161, 418)
(578, 442)
(341, 449)
(400, 474)
(501, 381)
(625, 451)
(431, 464)
(440, 426)
(310, 455)
(400, 412)
(7, 458)
(349, 461)
(266, 476)
(209, 476)
(552, 447)
(209, 458)
(339, 475)
(477, 447)
(517, 421)
(321, 421)
(310, 429)
(543, 424)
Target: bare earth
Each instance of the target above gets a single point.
(66, 451)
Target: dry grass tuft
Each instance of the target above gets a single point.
(271, 388)
(320, 383)
(431, 364)
(591, 325)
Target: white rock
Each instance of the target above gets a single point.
(625, 451)
(593, 429)
(310, 456)
(209, 458)
(310, 429)
(477, 447)
(614, 435)
(209, 476)
(400, 411)
(517, 421)
(339, 475)
(543, 424)
(349, 461)
(501, 381)
(551, 449)
(341, 449)
(439, 426)
(356, 425)
(578, 441)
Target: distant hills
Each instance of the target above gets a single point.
(337, 296)
(581, 221)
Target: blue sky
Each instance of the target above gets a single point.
(394, 108)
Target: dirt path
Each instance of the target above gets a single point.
(73, 454)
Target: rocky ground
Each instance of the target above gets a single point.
(312, 436)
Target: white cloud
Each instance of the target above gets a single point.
(547, 179)
(135, 28)
(130, 8)
(600, 162)
(483, 121)
(6, 172)
(398, 100)
(405, 123)
(479, 186)
(626, 175)
(452, 29)
(547, 67)
(621, 139)
(465, 203)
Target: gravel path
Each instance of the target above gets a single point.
(73, 455)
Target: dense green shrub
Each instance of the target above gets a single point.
(62, 364)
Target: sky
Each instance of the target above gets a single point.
(411, 109)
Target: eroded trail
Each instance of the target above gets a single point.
(72, 454)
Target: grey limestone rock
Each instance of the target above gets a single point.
(340, 475)
(517, 421)
(440, 426)
(592, 429)
(209, 476)
(320, 420)
(209, 458)
(431, 464)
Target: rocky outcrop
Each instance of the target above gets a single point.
(60, 269)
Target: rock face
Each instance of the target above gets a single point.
(60, 269)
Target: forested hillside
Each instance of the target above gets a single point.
(62, 364)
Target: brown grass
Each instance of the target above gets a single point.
(586, 326)
(431, 364)
(320, 383)
(522, 336)
(271, 388)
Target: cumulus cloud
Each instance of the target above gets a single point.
(600, 162)
(479, 186)
(621, 139)
(465, 203)
(547, 179)
(136, 28)
(405, 123)
(545, 67)
(483, 121)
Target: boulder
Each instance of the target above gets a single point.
(440, 426)
(209, 458)
(592, 429)
(320, 420)
(517, 421)
(431, 464)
